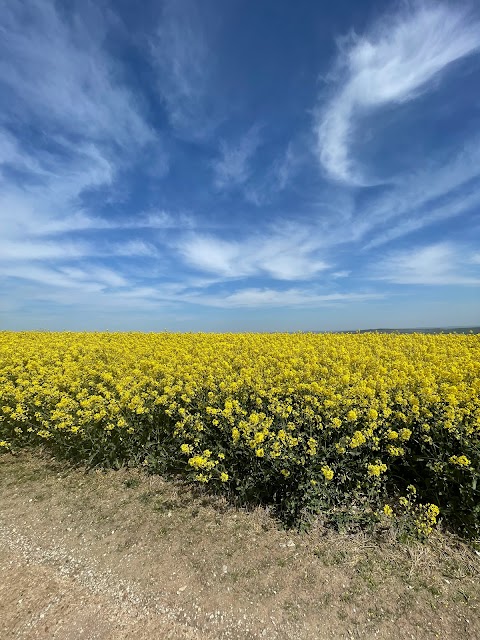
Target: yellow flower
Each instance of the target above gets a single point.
(461, 461)
(312, 446)
(43, 433)
(201, 462)
(224, 476)
(388, 511)
(327, 473)
(376, 469)
(230, 397)
(357, 439)
(395, 451)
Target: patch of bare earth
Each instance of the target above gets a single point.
(123, 555)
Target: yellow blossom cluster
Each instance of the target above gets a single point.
(376, 470)
(461, 461)
(332, 412)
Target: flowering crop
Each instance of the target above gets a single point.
(308, 422)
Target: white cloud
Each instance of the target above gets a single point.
(267, 297)
(62, 84)
(277, 177)
(441, 189)
(82, 221)
(428, 213)
(184, 61)
(436, 264)
(12, 156)
(135, 248)
(47, 277)
(392, 64)
(46, 201)
(164, 220)
(288, 253)
(233, 168)
(86, 278)
(101, 275)
(213, 255)
(57, 71)
(28, 250)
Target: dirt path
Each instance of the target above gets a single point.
(39, 602)
(120, 555)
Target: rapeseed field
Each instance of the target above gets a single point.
(354, 427)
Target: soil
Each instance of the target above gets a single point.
(119, 554)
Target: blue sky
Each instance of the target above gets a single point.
(232, 165)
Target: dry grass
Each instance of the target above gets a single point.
(173, 555)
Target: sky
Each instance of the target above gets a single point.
(232, 165)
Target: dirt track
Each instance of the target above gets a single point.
(38, 602)
(118, 555)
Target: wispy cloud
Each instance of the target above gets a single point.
(413, 217)
(45, 198)
(140, 172)
(28, 250)
(82, 221)
(276, 178)
(436, 264)
(284, 254)
(282, 298)
(68, 278)
(233, 167)
(59, 72)
(442, 188)
(68, 127)
(183, 60)
(160, 219)
(394, 63)
(135, 249)
(57, 76)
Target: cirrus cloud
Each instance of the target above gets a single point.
(392, 64)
